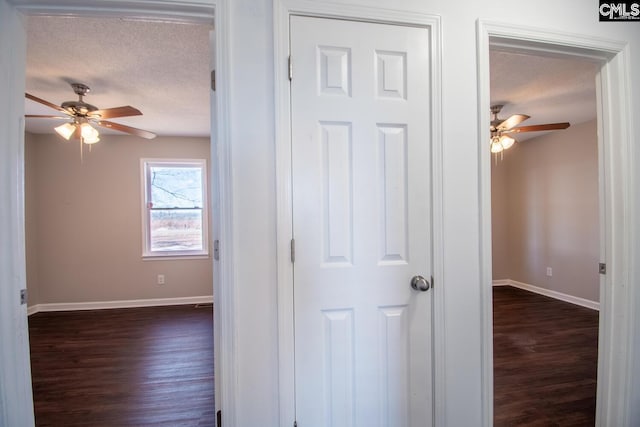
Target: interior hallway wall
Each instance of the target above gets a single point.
(254, 184)
(251, 131)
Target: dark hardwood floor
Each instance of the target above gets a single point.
(148, 366)
(545, 360)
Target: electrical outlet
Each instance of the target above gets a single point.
(160, 279)
(549, 272)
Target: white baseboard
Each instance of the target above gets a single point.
(549, 293)
(101, 305)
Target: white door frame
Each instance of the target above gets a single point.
(283, 9)
(615, 353)
(220, 187)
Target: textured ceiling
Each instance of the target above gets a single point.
(550, 89)
(160, 68)
(163, 70)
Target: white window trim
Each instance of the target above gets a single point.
(146, 235)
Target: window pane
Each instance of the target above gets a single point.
(176, 230)
(176, 187)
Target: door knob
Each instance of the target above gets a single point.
(419, 283)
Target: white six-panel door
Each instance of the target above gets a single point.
(361, 223)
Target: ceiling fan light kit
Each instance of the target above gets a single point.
(500, 143)
(82, 115)
(88, 134)
(66, 130)
(500, 140)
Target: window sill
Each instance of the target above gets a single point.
(173, 257)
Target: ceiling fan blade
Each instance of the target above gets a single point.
(47, 103)
(111, 113)
(127, 129)
(512, 121)
(538, 128)
(39, 116)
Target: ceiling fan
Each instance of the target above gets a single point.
(501, 129)
(81, 116)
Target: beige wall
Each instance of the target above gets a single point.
(31, 231)
(548, 215)
(499, 216)
(84, 222)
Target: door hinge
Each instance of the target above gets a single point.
(219, 419)
(432, 282)
(290, 69)
(295, 424)
(602, 268)
(216, 250)
(213, 80)
(23, 296)
(293, 250)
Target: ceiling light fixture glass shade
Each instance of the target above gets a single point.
(506, 141)
(89, 134)
(496, 146)
(501, 143)
(66, 130)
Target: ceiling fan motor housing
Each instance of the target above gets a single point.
(79, 107)
(495, 121)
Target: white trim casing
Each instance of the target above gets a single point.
(224, 283)
(615, 343)
(484, 195)
(222, 219)
(157, 10)
(16, 402)
(593, 305)
(283, 9)
(615, 352)
(103, 305)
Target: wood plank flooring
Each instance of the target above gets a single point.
(154, 366)
(149, 366)
(545, 360)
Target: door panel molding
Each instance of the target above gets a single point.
(617, 187)
(283, 10)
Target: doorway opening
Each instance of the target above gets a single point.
(21, 403)
(91, 258)
(614, 172)
(545, 239)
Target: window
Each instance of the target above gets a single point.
(174, 212)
